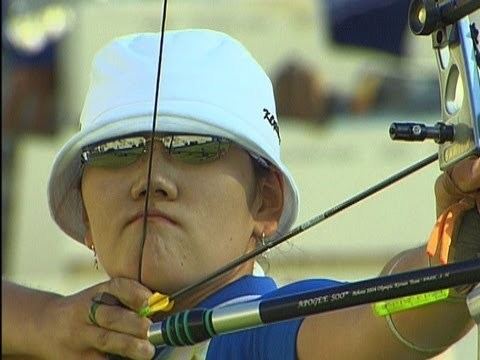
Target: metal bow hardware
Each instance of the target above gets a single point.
(455, 45)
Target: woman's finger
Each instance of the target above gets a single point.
(112, 342)
(129, 292)
(122, 320)
(466, 175)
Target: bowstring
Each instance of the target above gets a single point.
(152, 136)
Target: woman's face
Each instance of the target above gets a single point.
(200, 217)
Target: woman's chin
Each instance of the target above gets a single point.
(161, 280)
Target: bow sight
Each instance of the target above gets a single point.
(456, 45)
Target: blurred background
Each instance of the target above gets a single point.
(342, 70)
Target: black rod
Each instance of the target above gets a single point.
(196, 325)
(371, 290)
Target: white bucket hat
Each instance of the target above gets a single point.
(210, 84)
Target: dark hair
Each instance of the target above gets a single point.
(261, 168)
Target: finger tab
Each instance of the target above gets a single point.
(106, 298)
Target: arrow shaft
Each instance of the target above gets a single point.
(308, 224)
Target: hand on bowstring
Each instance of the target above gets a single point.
(457, 194)
(99, 320)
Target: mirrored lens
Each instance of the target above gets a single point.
(192, 149)
(116, 158)
(195, 149)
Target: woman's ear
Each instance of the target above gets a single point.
(268, 204)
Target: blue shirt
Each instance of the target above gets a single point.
(274, 341)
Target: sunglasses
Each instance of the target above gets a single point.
(187, 148)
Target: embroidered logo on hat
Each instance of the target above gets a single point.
(272, 121)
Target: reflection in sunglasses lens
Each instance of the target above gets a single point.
(192, 149)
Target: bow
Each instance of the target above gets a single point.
(454, 43)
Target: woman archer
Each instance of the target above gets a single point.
(217, 190)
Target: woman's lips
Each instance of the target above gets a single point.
(153, 215)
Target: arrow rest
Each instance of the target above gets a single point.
(455, 44)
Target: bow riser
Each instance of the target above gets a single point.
(455, 44)
(459, 90)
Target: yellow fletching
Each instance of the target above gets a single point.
(154, 298)
(157, 302)
(162, 305)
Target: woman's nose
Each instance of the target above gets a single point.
(161, 183)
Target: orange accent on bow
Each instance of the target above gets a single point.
(443, 230)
